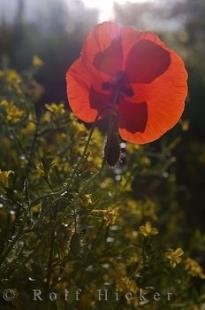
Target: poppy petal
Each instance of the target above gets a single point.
(78, 91)
(102, 48)
(146, 61)
(165, 98)
(133, 116)
(130, 37)
(101, 102)
(85, 101)
(110, 60)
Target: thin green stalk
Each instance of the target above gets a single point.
(50, 260)
(33, 145)
(84, 152)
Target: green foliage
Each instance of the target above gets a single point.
(68, 223)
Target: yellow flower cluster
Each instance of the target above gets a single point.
(193, 268)
(12, 79)
(139, 210)
(57, 109)
(61, 164)
(4, 177)
(80, 132)
(131, 147)
(79, 128)
(148, 230)
(30, 126)
(174, 256)
(124, 284)
(13, 113)
(111, 216)
(95, 157)
(29, 129)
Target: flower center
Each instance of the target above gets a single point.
(119, 85)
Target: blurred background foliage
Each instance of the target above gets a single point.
(162, 183)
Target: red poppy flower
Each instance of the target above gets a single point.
(131, 74)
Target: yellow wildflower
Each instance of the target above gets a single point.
(147, 230)
(13, 113)
(95, 157)
(76, 125)
(94, 161)
(87, 199)
(106, 183)
(60, 137)
(193, 268)
(37, 61)
(13, 77)
(46, 117)
(132, 147)
(174, 256)
(29, 129)
(123, 282)
(110, 216)
(3, 103)
(4, 177)
(61, 164)
(56, 108)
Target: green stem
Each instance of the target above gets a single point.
(84, 152)
(18, 143)
(50, 260)
(33, 144)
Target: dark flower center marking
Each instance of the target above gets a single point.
(119, 84)
(110, 60)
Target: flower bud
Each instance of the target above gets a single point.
(112, 149)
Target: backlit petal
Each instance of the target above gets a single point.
(133, 116)
(85, 101)
(130, 37)
(102, 48)
(99, 39)
(165, 98)
(78, 91)
(146, 61)
(109, 61)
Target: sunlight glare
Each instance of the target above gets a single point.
(106, 7)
